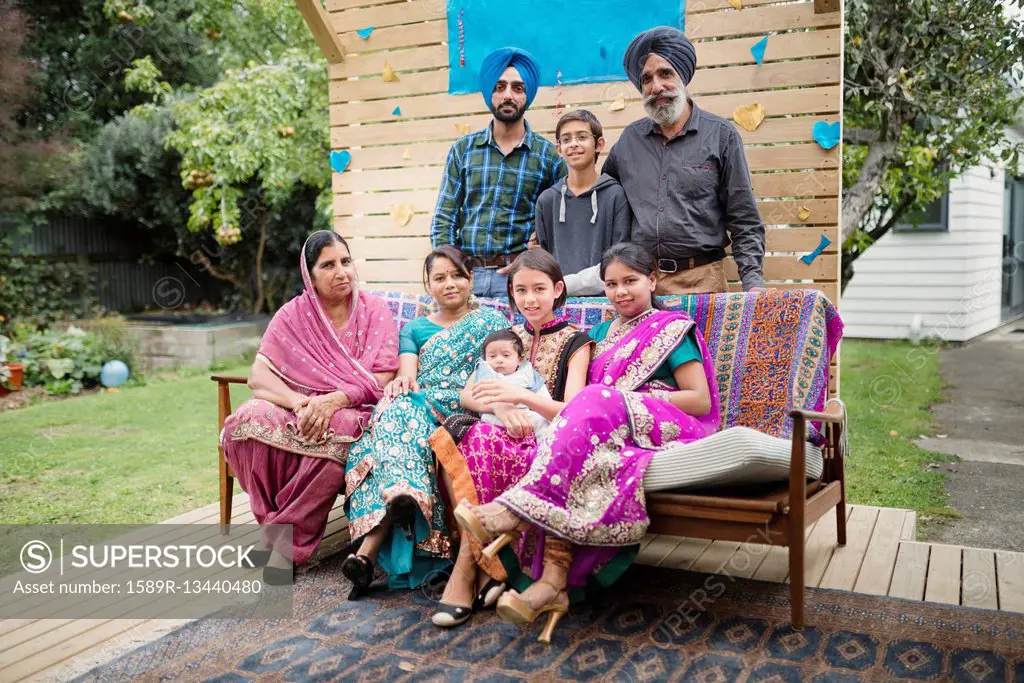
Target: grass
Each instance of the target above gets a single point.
(888, 388)
(147, 453)
(142, 454)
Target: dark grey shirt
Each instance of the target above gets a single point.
(692, 193)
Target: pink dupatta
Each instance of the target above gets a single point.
(304, 348)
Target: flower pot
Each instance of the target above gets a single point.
(17, 375)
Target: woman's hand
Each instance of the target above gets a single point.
(491, 391)
(516, 423)
(400, 386)
(315, 415)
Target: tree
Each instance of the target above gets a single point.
(931, 87)
(248, 144)
(24, 171)
(83, 48)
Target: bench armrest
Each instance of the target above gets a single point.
(834, 414)
(228, 379)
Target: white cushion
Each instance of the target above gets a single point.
(737, 455)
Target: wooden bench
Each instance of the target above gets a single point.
(774, 515)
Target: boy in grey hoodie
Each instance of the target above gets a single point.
(584, 213)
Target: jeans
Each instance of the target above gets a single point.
(488, 283)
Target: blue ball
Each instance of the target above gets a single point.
(114, 373)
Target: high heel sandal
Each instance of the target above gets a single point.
(359, 570)
(515, 610)
(468, 520)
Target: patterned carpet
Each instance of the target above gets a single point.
(641, 632)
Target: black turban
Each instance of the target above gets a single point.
(669, 43)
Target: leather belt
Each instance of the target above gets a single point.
(499, 261)
(671, 265)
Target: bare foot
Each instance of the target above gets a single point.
(496, 518)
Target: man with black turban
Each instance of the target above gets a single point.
(685, 174)
(492, 177)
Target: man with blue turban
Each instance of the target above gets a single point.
(685, 174)
(492, 177)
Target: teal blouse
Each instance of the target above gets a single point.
(686, 351)
(415, 334)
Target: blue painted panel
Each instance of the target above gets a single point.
(585, 39)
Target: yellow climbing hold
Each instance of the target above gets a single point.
(749, 116)
(389, 75)
(804, 213)
(401, 213)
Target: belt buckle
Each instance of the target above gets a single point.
(666, 269)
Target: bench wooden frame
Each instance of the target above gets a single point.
(778, 517)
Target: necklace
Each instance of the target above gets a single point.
(643, 312)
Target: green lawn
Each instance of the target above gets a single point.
(888, 388)
(143, 454)
(147, 453)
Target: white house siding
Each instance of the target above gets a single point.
(951, 279)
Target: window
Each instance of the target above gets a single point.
(934, 218)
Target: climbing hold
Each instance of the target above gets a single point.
(826, 134)
(809, 258)
(340, 160)
(749, 116)
(758, 49)
(401, 213)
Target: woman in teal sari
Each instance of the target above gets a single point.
(391, 477)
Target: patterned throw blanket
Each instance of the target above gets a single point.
(771, 349)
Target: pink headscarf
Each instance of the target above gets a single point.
(303, 346)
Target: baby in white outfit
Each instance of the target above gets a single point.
(503, 359)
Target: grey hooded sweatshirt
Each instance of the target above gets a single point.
(577, 229)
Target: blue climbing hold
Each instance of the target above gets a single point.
(340, 160)
(758, 49)
(364, 33)
(826, 134)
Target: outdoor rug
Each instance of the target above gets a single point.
(648, 628)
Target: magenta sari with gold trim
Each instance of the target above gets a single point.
(586, 482)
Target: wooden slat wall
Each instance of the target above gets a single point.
(398, 160)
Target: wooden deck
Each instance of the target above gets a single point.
(881, 558)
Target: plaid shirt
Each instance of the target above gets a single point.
(486, 203)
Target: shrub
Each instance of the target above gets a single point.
(68, 361)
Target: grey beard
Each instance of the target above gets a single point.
(666, 114)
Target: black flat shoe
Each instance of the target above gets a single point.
(275, 576)
(402, 513)
(449, 616)
(488, 595)
(259, 558)
(359, 570)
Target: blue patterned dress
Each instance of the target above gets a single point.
(393, 457)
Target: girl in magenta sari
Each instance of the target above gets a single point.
(319, 371)
(651, 386)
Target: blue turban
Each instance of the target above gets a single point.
(669, 43)
(495, 64)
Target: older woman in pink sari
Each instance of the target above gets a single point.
(319, 371)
